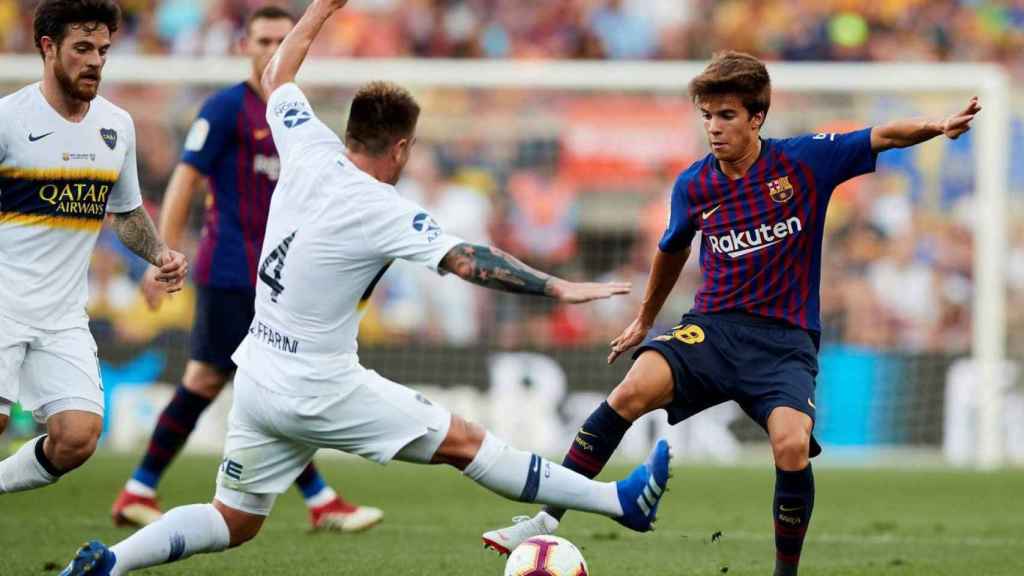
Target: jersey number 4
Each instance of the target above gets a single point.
(270, 269)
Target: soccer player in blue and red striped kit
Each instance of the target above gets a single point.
(229, 145)
(753, 333)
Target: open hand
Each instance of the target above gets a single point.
(580, 292)
(632, 336)
(960, 122)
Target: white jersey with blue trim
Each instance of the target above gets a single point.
(58, 179)
(332, 232)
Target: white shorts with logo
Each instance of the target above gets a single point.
(272, 437)
(48, 371)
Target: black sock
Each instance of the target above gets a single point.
(794, 502)
(594, 444)
(50, 468)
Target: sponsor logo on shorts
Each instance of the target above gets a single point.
(689, 334)
(231, 469)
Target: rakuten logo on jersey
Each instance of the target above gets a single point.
(736, 244)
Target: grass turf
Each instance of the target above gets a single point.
(866, 522)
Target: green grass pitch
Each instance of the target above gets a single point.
(866, 522)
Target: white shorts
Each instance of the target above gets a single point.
(272, 437)
(48, 371)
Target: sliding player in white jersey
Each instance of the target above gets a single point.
(336, 222)
(67, 159)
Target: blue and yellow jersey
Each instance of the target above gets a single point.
(58, 179)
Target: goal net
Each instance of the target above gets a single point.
(568, 166)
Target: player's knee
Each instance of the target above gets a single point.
(791, 449)
(242, 526)
(462, 443)
(71, 445)
(204, 380)
(631, 399)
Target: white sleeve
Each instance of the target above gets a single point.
(125, 196)
(294, 125)
(399, 228)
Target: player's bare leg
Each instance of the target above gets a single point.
(789, 431)
(647, 386)
(69, 441)
(137, 503)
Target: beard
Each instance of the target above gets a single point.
(75, 88)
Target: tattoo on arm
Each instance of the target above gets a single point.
(491, 268)
(138, 233)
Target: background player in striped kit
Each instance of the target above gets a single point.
(229, 145)
(67, 159)
(753, 333)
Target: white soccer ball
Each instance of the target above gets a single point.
(546, 556)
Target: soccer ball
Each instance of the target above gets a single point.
(546, 556)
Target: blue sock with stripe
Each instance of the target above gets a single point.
(526, 477)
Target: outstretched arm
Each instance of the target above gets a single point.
(492, 268)
(664, 274)
(289, 56)
(137, 232)
(903, 133)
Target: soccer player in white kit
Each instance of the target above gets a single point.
(336, 223)
(67, 159)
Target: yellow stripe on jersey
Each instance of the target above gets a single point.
(95, 174)
(62, 222)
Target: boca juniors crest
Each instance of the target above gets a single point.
(109, 137)
(780, 189)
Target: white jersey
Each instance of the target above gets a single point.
(58, 179)
(332, 232)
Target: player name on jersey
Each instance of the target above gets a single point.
(274, 338)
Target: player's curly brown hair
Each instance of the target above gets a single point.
(53, 17)
(382, 113)
(738, 74)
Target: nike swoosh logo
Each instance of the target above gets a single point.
(707, 214)
(784, 509)
(32, 138)
(812, 404)
(585, 433)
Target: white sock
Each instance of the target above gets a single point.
(133, 486)
(527, 477)
(23, 470)
(178, 534)
(322, 497)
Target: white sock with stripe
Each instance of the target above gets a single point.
(180, 533)
(527, 477)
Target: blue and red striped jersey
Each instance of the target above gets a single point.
(230, 143)
(760, 249)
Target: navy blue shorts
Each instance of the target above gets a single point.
(222, 320)
(760, 363)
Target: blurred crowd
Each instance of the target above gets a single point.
(930, 30)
